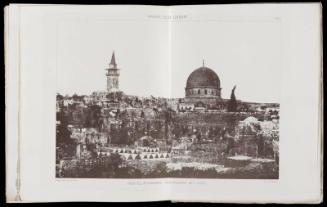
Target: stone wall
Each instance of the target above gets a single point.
(219, 118)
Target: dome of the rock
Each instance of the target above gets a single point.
(203, 82)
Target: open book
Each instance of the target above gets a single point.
(208, 103)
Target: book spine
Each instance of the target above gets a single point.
(12, 104)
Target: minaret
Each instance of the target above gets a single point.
(112, 75)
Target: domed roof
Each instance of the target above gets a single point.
(203, 78)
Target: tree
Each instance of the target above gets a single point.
(63, 134)
(260, 144)
(93, 116)
(59, 97)
(107, 168)
(122, 136)
(159, 170)
(232, 104)
(75, 97)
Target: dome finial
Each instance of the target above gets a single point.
(203, 63)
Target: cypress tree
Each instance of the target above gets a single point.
(232, 104)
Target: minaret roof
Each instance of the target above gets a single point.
(113, 60)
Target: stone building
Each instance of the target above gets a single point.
(202, 89)
(112, 76)
(203, 83)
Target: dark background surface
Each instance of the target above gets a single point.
(151, 2)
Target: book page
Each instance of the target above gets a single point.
(208, 103)
(84, 51)
(12, 102)
(247, 82)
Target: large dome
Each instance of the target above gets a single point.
(203, 78)
(203, 83)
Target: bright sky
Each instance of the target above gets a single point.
(246, 54)
(242, 53)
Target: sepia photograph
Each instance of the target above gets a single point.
(125, 111)
(141, 103)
